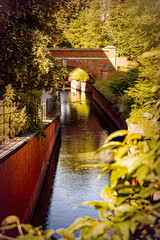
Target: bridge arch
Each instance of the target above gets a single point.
(98, 63)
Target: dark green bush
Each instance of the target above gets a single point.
(114, 88)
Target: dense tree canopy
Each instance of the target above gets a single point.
(135, 25)
(89, 30)
(29, 27)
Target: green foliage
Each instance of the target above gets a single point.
(146, 94)
(136, 92)
(80, 75)
(26, 60)
(130, 208)
(135, 25)
(15, 116)
(65, 14)
(26, 231)
(114, 88)
(88, 30)
(20, 114)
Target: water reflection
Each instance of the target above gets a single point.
(82, 134)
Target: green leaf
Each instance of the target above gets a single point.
(9, 220)
(157, 167)
(27, 227)
(7, 227)
(122, 229)
(66, 234)
(145, 192)
(108, 194)
(79, 223)
(105, 170)
(120, 200)
(48, 233)
(119, 133)
(100, 228)
(115, 237)
(100, 205)
(144, 218)
(120, 172)
(121, 151)
(102, 212)
(133, 226)
(31, 237)
(132, 136)
(141, 174)
(124, 208)
(126, 191)
(109, 145)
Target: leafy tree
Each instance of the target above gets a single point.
(26, 62)
(89, 30)
(135, 25)
(65, 13)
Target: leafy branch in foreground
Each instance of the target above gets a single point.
(130, 208)
(24, 231)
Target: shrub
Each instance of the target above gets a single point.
(114, 88)
(80, 75)
(146, 94)
(15, 116)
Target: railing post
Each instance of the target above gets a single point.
(9, 121)
(3, 130)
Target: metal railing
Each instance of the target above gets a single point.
(42, 110)
(7, 114)
(46, 109)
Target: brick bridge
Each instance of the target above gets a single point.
(98, 63)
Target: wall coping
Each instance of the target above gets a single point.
(80, 49)
(121, 123)
(15, 144)
(102, 94)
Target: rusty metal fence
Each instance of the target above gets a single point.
(7, 114)
(42, 110)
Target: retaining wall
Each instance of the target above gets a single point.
(104, 104)
(107, 107)
(23, 171)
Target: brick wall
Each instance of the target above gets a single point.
(22, 174)
(108, 108)
(91, 61)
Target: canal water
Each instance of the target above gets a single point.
(82, 132)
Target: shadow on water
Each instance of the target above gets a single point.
(43, 200)
(83, 130)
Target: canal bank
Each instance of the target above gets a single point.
(23, 165)
(102, 101)
(83, 131)
(27, 158)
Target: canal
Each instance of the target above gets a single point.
(84, 129)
